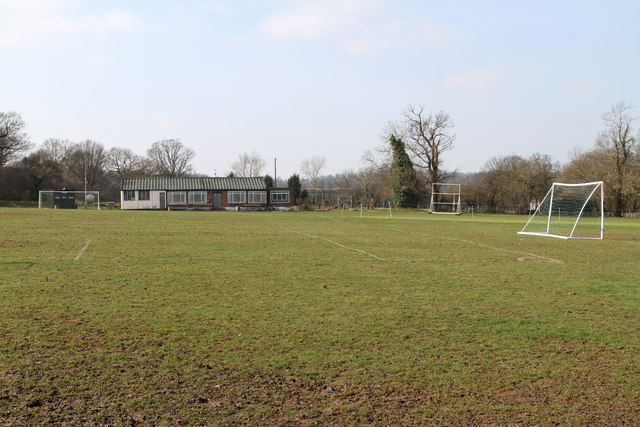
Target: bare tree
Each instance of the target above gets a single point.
(427, 136)
(502, 183)
(539, 173)
(249, 165)
(86, 163)
(379, 158)
(42, 171)
(125, 162)
(584, 166)
(621, 148)
(170, 158)
(515, 181)
(311, 168)
(376, 185)
(12, 140)
(375, 175)
(55, 150)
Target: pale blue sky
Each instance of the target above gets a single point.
(294, 79)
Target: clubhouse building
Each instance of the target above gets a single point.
(202, 193)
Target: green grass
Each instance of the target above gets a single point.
(307, 318)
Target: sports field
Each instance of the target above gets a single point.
(118, 317)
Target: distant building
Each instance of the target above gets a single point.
(202, 194)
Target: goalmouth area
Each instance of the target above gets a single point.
(130, 317)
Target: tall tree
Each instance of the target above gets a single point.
(428, 136)
(585, 166)
(248, 165)
(311, 168)
(515, 181)
(15, 183)
(12, 140)
(404, 180)
(124, 162)
(268, 182)
(376, 175)
(170, 158)
(55, 150)
(294, 184)
(620, 146)
(538, 175)
(42, 171)
(87, 163)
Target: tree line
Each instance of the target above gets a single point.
(412, 158)
(63, 164)
(400, 171)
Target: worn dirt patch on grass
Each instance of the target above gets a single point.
(128, 391)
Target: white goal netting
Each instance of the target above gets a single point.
(52, 199)
(569, 211)
(445, 199)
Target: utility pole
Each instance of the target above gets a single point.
(275, 172)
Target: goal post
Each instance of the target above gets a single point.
(64, 199)
(569, 211)
(445, 199)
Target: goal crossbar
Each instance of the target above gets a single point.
(445, 199)
(548, 206)
(68, 199)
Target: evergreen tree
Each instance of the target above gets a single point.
(268, 182)
(294, 184)
(404, 179)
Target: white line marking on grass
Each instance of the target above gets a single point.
(337, 244)
(482, 245)
(84, 248)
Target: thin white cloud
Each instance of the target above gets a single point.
(359, 27)
(32, 5)
(483, 79)
(29, 22)
(395, 34)
(310, 19)
(216, 7)
(189, 13)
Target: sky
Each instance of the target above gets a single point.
(296, 79)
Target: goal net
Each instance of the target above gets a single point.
(569, 211)
(52, 199)
(445, 199)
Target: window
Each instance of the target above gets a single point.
(198, 197)
(237, 197)
(279, 197)
(143, 195)
(128, 195)
(177, 197)
(258, 197)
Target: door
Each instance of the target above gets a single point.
(217, 200)
(163, 201)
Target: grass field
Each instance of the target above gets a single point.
(119, 317)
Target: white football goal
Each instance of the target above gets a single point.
(445, 199)
(63, 199)
(569, 211)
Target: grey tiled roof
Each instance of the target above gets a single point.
(191, 183)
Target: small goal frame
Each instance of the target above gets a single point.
(46, 204)
(447, 195)
(550, 196)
